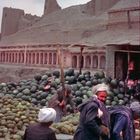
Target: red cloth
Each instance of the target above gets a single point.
(131, 66)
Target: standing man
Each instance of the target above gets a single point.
(94, 117)
(122, 121)
(60, 100)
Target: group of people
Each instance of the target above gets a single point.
(96, 121)
(99, 123)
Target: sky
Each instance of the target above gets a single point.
(35, 7)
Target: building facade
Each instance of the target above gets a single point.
(109, 42)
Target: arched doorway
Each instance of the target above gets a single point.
(102, 62)
(74, 61)
(88, 61)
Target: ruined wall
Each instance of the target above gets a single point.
(10, 20)
(122, 16)
(51, 6)
(89, 8)
(103, 5)
(27, 20)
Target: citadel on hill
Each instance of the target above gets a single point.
(106, 33)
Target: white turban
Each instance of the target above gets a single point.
(100, 87)
(46, 115)
(135, 106)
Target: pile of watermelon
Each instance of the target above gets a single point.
(34, 91)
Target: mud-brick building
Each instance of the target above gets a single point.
(106, 33)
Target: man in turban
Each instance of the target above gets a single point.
(94, 118)
(42, 130)
(122, 121)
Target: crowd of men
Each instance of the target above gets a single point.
(96, 121)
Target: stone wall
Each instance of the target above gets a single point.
(10, 20)
(110, 61)
(101, 6)
(27, 20)
(51, 6)
(123, 16)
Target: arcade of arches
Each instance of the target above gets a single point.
(40, 57)
(90, 61)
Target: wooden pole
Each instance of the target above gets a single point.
(61, 64)
(127, 76)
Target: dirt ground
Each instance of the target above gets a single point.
(10, 73)
(15, 73)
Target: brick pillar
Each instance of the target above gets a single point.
(43, 58)
(8, 57)
(25, 55)
(36, 57)
(39, 58)
(14, 57)
(26, 58)
(98, 61)
(22, 57)
(52, 59)
(31, 57)
(91, 61)
(17, 57)
(0, 56)
(29, 60)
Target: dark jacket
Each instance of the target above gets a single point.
(39, 132)
(89, 125)
(128, 127)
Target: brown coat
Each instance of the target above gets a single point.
(56, 100)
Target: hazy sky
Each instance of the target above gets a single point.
(35, 7)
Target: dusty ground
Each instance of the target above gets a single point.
(10, 73)
(16, 73)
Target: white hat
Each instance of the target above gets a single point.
(135, 106)
(46, 115)
(100, 87)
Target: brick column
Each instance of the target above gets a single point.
(19, 53)
(29, 58)
(17, 57)
(8, 61)
(25, 55)
(98, 61)
(0, 56)
(43, 58)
